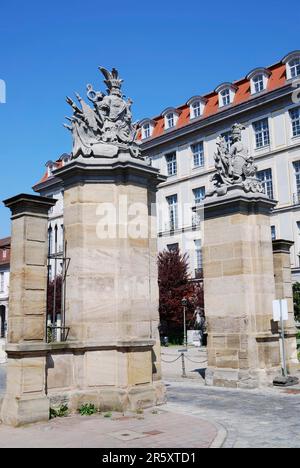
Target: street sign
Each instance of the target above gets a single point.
(283, 305)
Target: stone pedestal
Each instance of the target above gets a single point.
(243, 349)
(284, 290)
(25, 400)
(111, 286)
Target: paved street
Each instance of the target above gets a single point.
(233, 418)
(2, 378)
(265, 418)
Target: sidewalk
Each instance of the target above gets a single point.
(156, 428)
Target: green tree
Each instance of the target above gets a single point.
(296, 296)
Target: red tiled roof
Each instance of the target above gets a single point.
(276, 80)
(5, 246)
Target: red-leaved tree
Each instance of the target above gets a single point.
(174, 285)
(54, 284)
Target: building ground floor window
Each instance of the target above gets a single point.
(2, 321)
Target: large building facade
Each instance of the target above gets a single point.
(4, 292)
(181, 142)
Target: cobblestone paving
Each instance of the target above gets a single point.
(257, 419)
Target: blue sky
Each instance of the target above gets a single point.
(166, 51)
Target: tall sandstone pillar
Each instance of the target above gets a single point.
(239, 285)
(25, 400)
(284, 290)
(243, 350)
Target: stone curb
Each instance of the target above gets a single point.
(221, 436)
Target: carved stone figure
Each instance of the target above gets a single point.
(235, 168)
(105, 128)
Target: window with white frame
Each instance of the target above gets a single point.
(1, 282)
(198, 254)
(196, 109)
(262, 134)
(198, 154)
(295, 119)
(297, 180)
(265, 177)
(228, 139)
(199, 195)
(258, 83)
(173, 212)
(170, 120)
(294, 66)
(146, 131)
(173, 247)
(4, 253)
(273, 232)
(171, 164)
(225, 97)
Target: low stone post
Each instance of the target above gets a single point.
(25, 399)
(284, 290)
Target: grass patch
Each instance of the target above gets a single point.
(87, 409)
(60, 412)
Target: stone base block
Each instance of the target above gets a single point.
(114, 398)
(237, 378)
(19, 411)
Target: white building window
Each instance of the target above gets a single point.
(198, 154)
(196, 109)
(199, 195)
(171, 164)
(173, 247)
(273, 232)
(262, 134)
(146, 131)
(225, 97)
(1, 282)
(173, 212)
(266, 178)
(258, 83)
(294, 66)
(297, 180)
(198, 254)
(228, 139)
(295, 119)
(170, 120)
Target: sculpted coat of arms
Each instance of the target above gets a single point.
(104, 127)
(235, 168)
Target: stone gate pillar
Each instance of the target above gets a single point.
(284, 290)
(239, 285)
(112, 290)
(25, 399)
(239, 289)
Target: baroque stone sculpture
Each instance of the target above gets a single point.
(235, 168)
(105, 128)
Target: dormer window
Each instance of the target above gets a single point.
(258, 80)
(147, 127)
(197, 105)
(292, 62)
(226, 93)
(171, 116)
(170, 120)
(295, 67)
(50, 167)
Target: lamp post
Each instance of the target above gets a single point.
(184, 304)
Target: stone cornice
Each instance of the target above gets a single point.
(282, 246)
(30, 205)
(98, 170)
(243, 204)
